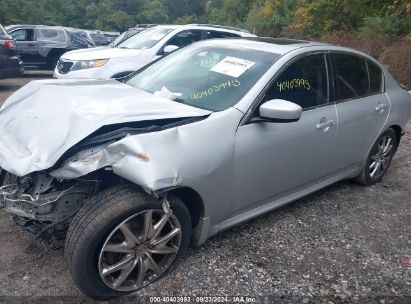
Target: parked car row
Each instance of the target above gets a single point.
(41, 46)
(72, 53)
(137, 51)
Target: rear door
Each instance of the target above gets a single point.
(27, 45)
(362, 108)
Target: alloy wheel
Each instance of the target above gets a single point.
(381, 159)
(140, 249)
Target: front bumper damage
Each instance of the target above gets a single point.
(43, 204)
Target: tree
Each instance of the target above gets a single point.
(183, 8)
(228, 12)
(270, 17)
(154, 12)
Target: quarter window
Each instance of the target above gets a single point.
(304, 82)
(376, 83)
(350, 76)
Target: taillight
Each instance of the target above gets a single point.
(8, 43)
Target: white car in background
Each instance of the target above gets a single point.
(137, 51)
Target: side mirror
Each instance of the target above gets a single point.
(169, 49)
(279, 110)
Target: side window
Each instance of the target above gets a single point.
(303, 82)
(350, 76)
(23, 35)
(51, 35)
(376, 83)
(217, 34)
(185, 38)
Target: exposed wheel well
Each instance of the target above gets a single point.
(398, 131)
(193, 202)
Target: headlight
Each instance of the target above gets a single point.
(88, 64)
(80, 164)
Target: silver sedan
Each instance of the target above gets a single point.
(219, 132)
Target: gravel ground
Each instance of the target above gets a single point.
(346, 243)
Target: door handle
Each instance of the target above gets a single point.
(381, 107)
(325, 125)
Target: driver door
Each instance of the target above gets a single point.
(276, 159)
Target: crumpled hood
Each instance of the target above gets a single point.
(100, 53)
(44, 119)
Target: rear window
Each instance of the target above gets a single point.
(376, 83)
(57, 35)
(350, 76)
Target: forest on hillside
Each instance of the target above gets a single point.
(382, 28)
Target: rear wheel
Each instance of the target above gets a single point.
(123, 240)
(379, 159)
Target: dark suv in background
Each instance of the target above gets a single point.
(99, 38)
(41, 46)
(10, 63)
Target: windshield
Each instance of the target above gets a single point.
(212, 78)
(118, 39)
(146, 39)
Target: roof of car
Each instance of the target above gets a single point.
(221, 27)
(273, 45)
(208, 27)
(28, 26)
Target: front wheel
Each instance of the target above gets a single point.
(123, 240)
(379, 159)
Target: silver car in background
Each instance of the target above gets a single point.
(208, 137)
(135, 52)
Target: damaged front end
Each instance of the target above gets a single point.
(43, 204)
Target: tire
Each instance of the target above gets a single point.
(100, 224)
(377, 157)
